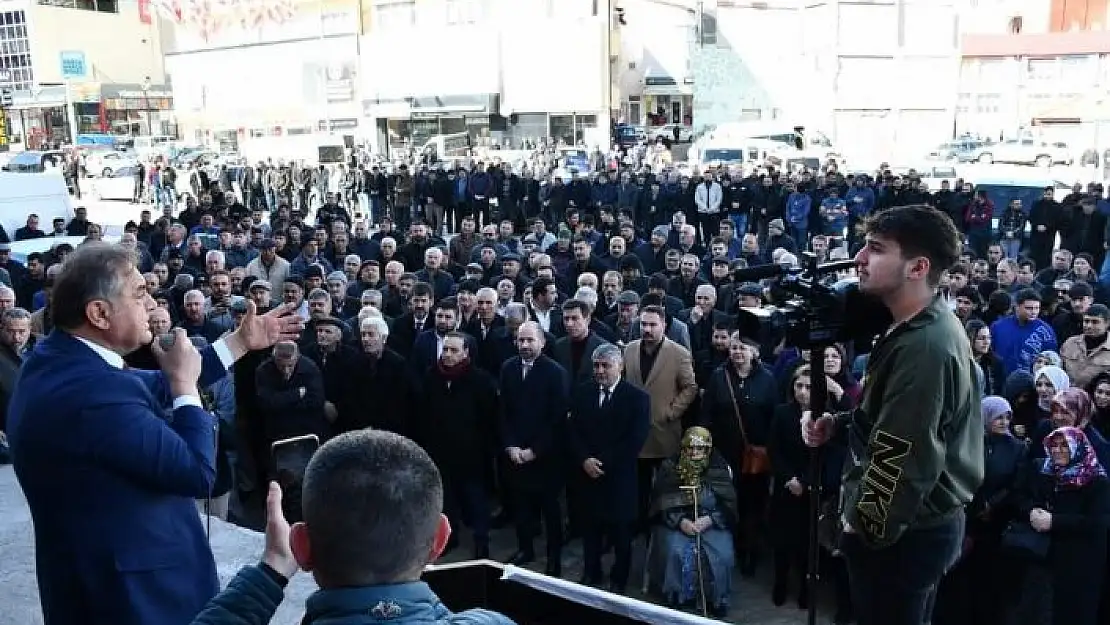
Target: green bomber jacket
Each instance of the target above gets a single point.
(916, 439)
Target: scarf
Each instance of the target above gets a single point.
(994, 407)
(1083, 467)
(451, 374)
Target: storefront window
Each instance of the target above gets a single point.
(451, 125)
(562, 128)
(582, 123)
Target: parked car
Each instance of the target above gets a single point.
(1026, 151)
(104, 163)
(666, 131)
(35, 162)
(118, 186)
(20, 250)
(959, 150)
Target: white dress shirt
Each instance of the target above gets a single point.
(601, 394)
(115, 360)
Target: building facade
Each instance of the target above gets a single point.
(653, 73)
(90, 66)
(266, 77)
(506, 72)
(1037, 67)
(863, 72)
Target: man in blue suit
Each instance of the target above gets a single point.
(429, 343)
(609, 422)
(112, 459)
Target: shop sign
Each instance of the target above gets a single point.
(73, 64)
(3, 131)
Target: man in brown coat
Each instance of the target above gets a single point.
(665, 370)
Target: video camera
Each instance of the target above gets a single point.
(812, 306)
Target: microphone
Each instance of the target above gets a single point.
(760, 272)
(167, 340)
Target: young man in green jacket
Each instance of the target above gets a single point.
(916, 439)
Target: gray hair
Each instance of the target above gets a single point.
(217, 254)
(7, 290)
(16, 313)
(376, 323)
(587, 295)
(352, 257)
(96, 271)
(372, 294)
(318, 294)
(608, 351)
(194, 294)
(516, 310)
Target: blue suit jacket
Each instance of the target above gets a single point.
(111, 478)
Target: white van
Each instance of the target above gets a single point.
(43, 194)
(145, 146)
(810, 143)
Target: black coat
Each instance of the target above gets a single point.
(1005, 463)
(756, 399)
(402, 335)
(614, 435)
(533, 415)
(1077, 557)
(381, 392)
(456, 423)
(561, 353)
(285, 413)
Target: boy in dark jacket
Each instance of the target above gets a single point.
(373, 505)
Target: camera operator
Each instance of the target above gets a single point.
(916, 438)
(373, 510)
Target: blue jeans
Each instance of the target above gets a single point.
(1104, 273)
(801, 237)
(1011, 248)
(739, 224)
(894, 585)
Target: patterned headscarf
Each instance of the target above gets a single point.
(1082, 468)
(690, 470)
(1078, 403)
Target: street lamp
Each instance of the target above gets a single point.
(146, 110)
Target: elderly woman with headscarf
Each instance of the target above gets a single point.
(1072, 407)
(977, 590)
(692, 550)
(1068, 500)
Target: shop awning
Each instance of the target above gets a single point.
(1074, 111)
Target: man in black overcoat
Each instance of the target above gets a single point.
(609, 422)
(455, 422)
(533, 418)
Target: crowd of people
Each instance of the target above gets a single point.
(577, 352)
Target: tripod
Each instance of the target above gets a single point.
(818, 398)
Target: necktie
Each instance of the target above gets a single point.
(605, 394)
(419, 326)
(525, 370)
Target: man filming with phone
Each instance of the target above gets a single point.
(373, 518)
(916, 440)
(109, 476)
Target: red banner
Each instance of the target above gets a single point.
(144, 11)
